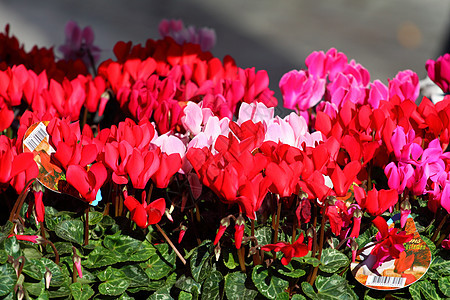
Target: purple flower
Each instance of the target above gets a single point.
(79, 44)
(205, 37)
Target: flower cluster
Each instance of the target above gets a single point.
(190, 134)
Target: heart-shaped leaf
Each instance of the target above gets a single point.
(268, 284)
(115, 282)
(235, 287)
(71, 230)
(8, 279)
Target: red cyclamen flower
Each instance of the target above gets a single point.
(143, 214)
(296, 249)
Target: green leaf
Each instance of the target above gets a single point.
(366, 236)
(263, 235)
(35, 288)
(268, 284)
(298, 296)
(71, 230)
(230, 259)
(200, 262)
(81, 291)
(290, 270)
(162, 294)
(430, 244)
(439, 267)
(334, 287)
(61, 247)
(35, 268)
(144, 252)
(184, 296)
(52, 220)
(160, 264)
(100, 257)
(444, 285)
(332, 260)
(8, 279)
(308, 260)
(44, 296)
(283, 296)
(31, 253)
(115, 282)
(210, 288)
(188, 284)
(136, 275)
(95, 217)
(308, 290)
(6, 230)
(62, 292)
(428, 289)
(107, 221)
(3, 257)
(12, 247)
(123, 246)
(235, 287)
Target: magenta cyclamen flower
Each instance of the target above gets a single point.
(439, 71)
(405, 85)
(321, 64)
(205, 37)
(300, 90)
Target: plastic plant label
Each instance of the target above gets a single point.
(36, 140)
(398, 273)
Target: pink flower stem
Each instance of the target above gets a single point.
(171, 244)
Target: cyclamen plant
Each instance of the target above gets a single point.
(167, 136)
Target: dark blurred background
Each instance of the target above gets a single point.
(383, 36)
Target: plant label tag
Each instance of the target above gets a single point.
(397, 273)
(36, 140)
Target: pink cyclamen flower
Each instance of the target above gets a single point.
(405, 85)
(35, 239)
(301, 90)
(446, 243)
(321, 64)
(79, 44)
(439, 71)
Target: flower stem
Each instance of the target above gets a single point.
(171, 244)
(241, 253)
(86, 226)
(20, 200)
(438, 229)
(277, 222)
(321, 238)
(54, 250)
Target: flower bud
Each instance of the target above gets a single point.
(48, 278)
(183, 229)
